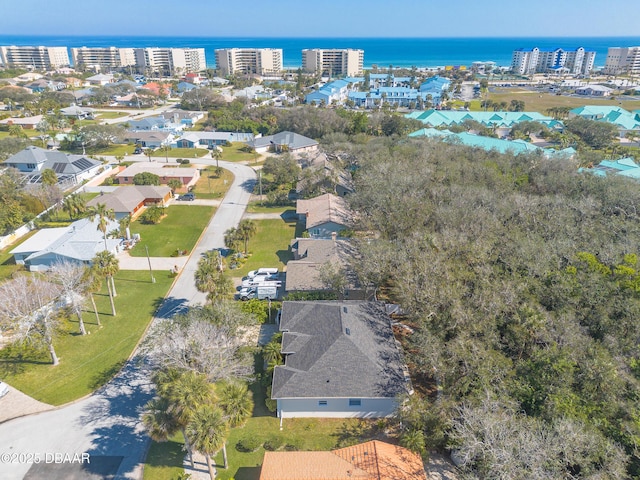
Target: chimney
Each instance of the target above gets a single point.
(334, 235)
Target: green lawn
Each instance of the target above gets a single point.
(7, 264)
(256, 207)
(4, 134)
(114, 150)
(89, 361)
(180, 229)
(269, 247)
(109, 114)
(210, 186)
(235, 154)
(180, 153)
(164, 460)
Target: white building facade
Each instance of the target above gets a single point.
(37, 58)
(347, 62)
(103, 58)
(622, 60)
(577, 62)
(259, 61)
(170, 61)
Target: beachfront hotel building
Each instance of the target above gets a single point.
(622, 60)
(102, 58)
(36, 58)
(577, 62)
(332, 62)
(259, 61)
(170, 61)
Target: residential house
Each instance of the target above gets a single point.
(284, 142)
(44, 85)
(594, 90)
(131, 200)
(80, 113)
(625, 167)
(183, 87)
(330, 93)
(70, 169)
(187, 176)
(340, 360)
(211, 139)
(185, 117)
(27, 123)
(101, 79)
(152, 139)
(324, 215)
(311, 255)
(78, 242)
(374, 460)
(624, 120)
(150, 124)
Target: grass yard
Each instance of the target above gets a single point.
(180, 229)
(109, 114)
(181, 153)
(4, 134)
(7, 264)
(115, 150)
(269, 247)
(256, 207)
(209, 186)
(89, 361)
(541, 102)
(235, 154)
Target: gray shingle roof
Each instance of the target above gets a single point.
(338, 349)
(292, 140)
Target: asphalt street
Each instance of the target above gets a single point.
(101, 436)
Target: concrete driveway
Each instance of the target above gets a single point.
(101, 436)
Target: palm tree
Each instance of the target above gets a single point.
(74, 205)
(246, 229)
(93, 283)
(104, 216)
(216, 153)
(272, 353)
(236, 401)
(148, 152)
(166, 149)
(231, 238)
(185, 393)
(212, 281)
(208, 432)
(107, 264)
(158, 420)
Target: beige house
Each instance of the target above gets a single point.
(187, 176)
(131, 200)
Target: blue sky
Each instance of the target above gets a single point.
(324, 18)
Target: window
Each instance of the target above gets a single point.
(355, 402)
(322, 403)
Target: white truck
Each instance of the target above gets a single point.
(259, 280)
(261, 292)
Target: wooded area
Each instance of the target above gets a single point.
(520, 278)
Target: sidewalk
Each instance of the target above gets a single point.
(17, 404)
(127, 262)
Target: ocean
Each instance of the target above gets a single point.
(399, 52)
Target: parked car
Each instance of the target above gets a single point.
(137, 151)
(252, 282)
(4, 389)
(261, 292)
(187, 197)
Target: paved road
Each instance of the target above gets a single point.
(105, 427)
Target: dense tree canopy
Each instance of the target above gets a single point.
(520, 276)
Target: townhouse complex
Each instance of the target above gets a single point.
(577, 62)
(163, 61)
(259, 61)
(332, 62)
(622, 60)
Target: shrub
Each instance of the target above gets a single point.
(248, 444)
(273, 443)
(272, 405)
(260, 309)
(293, 445)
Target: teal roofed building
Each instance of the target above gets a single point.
(623, 119)
(330, 93)
(625, 167)
(514, 147)
(501, 122)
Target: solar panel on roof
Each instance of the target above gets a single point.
(83, 164)
(59, 167)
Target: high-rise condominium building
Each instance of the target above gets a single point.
(102, 58)
(170, 61)
(622, 60)
(577, 62)
(259, 61)
(37, 58)
(332, 62)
